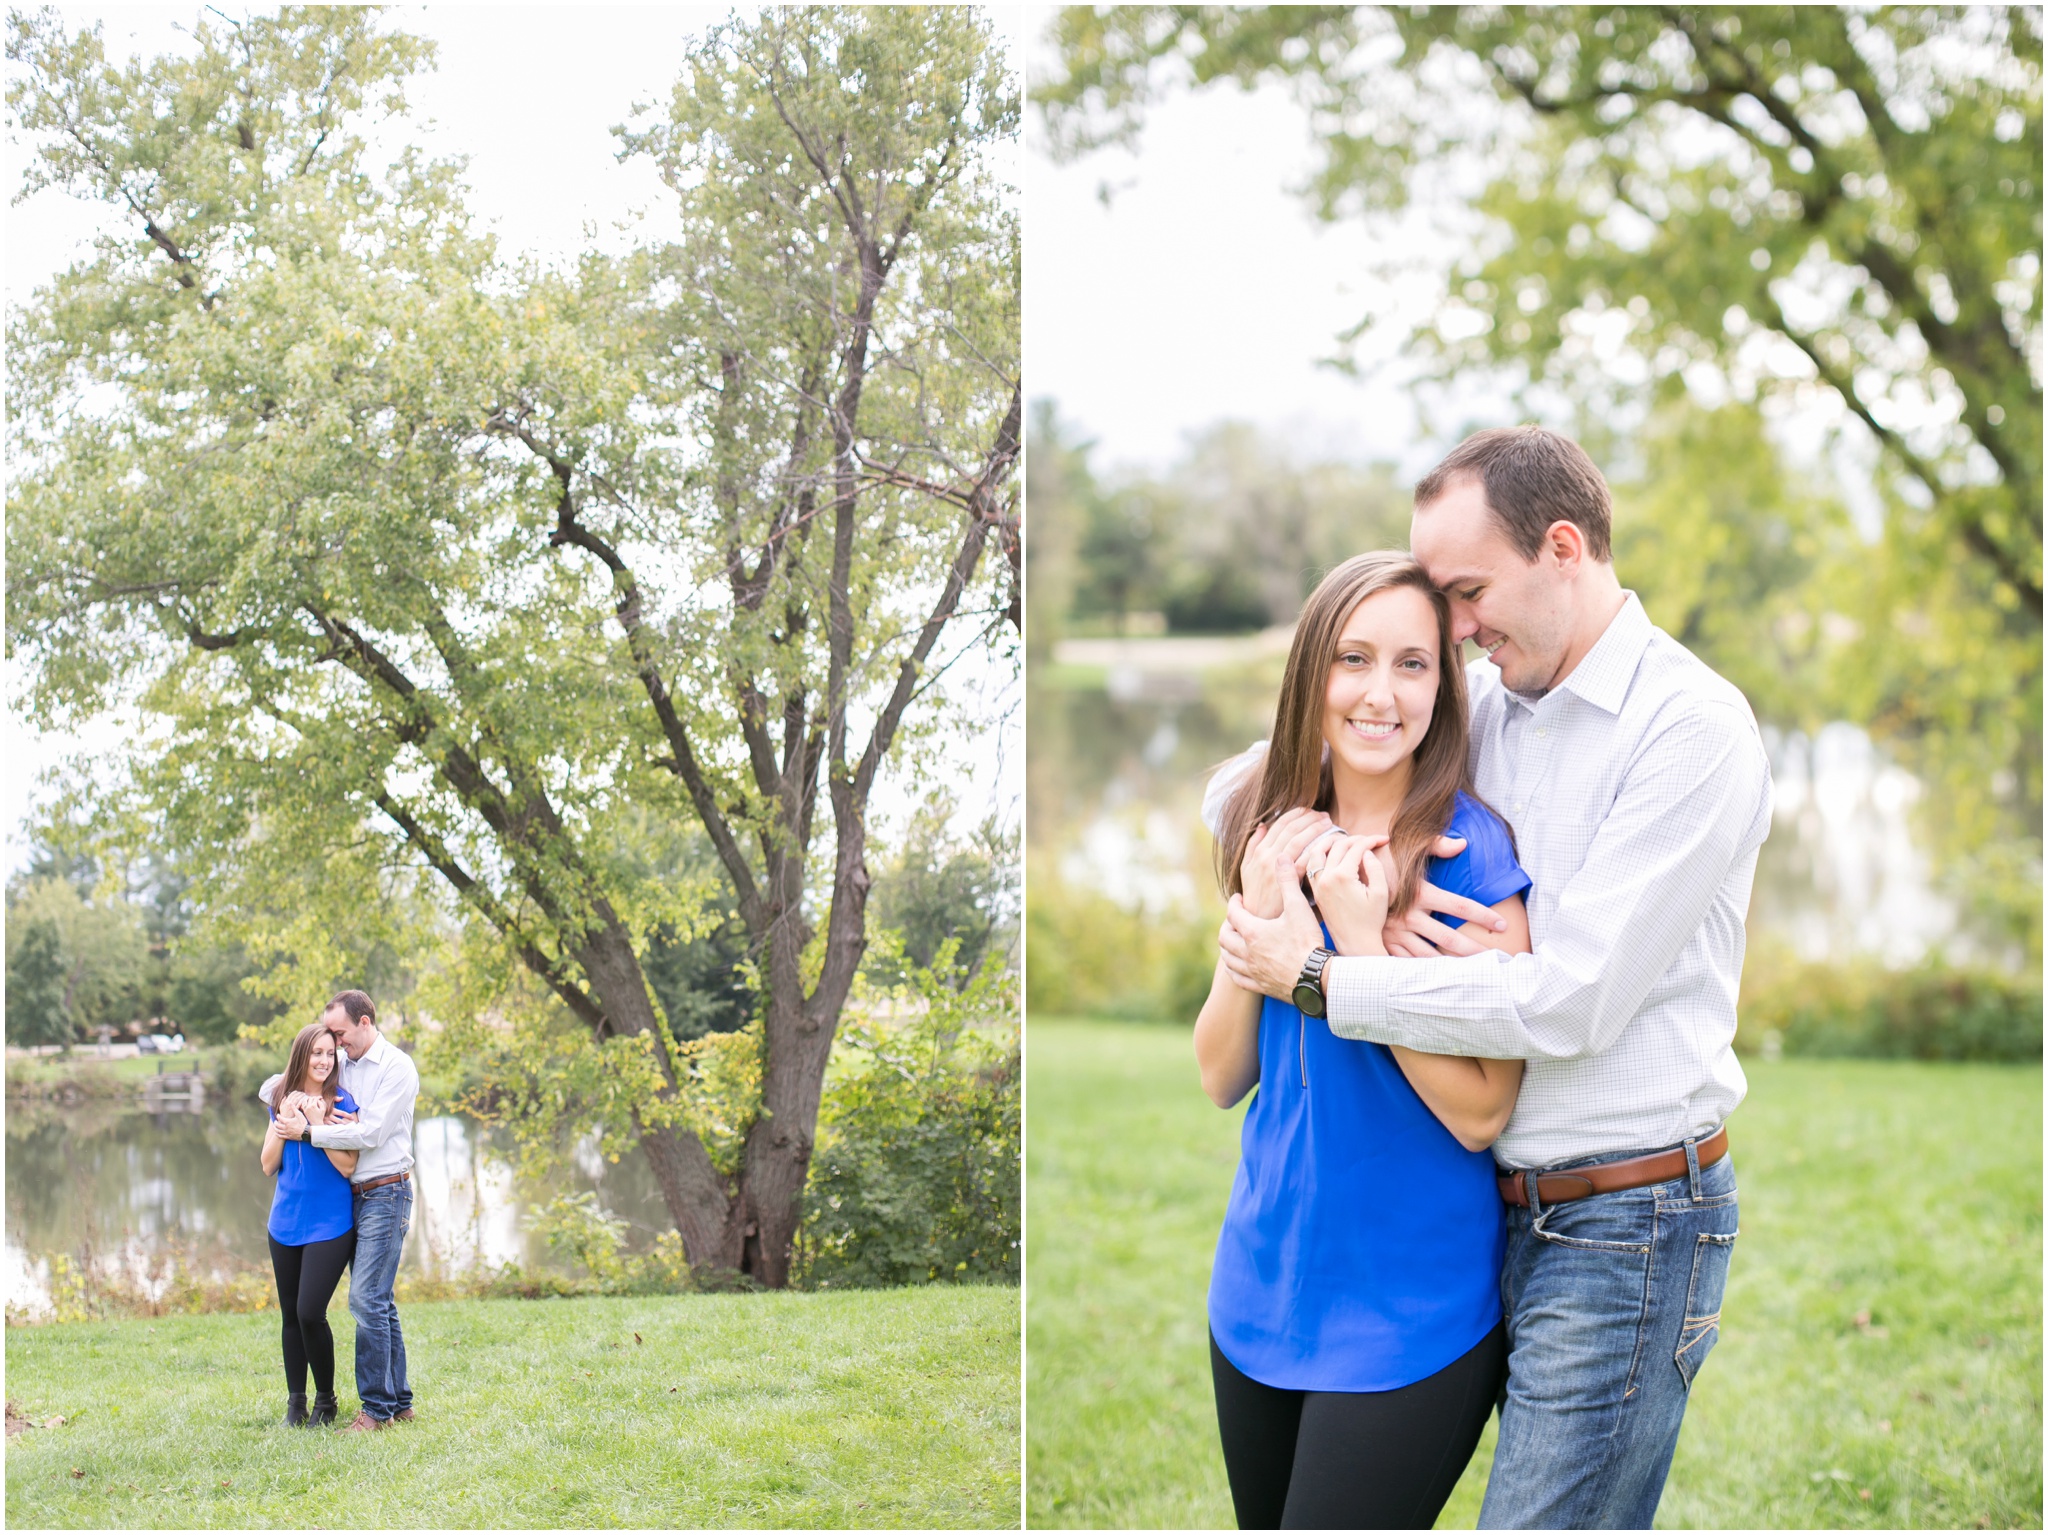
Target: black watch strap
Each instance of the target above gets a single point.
(1308, 988)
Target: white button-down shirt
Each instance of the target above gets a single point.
(385, 1084)
(1639, 792)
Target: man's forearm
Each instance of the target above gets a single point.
(363, 1135)
(1437, 1006)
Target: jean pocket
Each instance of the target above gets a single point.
(1702, 1324)
(1621, 1222)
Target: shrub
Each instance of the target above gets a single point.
(916, 1177)
(1088, 956)
(1931, 1013)
(578, 1227)
(92, 1285)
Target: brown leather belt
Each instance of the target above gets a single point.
(378, 1183)
(1607, 1177)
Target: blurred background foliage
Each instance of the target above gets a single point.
(1686, 236)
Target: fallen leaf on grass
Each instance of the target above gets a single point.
(77, 1474)
(1863, 1493)
(638, 1339)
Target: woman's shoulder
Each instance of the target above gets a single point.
(1478, 824)
(1487, 870)
(344, 1102)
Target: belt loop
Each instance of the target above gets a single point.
(1692, 1167)
(1530, 1179)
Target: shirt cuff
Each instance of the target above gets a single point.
(1358, 996)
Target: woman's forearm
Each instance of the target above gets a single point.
(1227, 1040)
(272, 1155)
(1472, 1097)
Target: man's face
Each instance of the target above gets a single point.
(1518, 611)
(349, 1035)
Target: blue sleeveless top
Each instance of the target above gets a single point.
(313, 1201)
(1362, 1246)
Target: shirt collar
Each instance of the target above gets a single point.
(374, 1056)
(1604, 672)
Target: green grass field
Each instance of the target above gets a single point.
(880, 1408)
(1880, 1355)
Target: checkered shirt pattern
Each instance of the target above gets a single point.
(1639, 792)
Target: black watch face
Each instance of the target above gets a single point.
(1308, 999)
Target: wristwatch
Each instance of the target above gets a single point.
(1308, 990)
(306, 1134)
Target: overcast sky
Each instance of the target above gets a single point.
(529, 94)
(1184, 281)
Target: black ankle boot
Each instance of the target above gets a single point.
(295, 1410)
(323, 1409)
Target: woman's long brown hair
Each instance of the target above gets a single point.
(1296, 771)
(298, 1065)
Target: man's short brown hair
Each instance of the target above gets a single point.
(1531, 477)
(356, 1004)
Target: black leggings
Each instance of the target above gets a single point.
(306, 1277)
(1353, 1460)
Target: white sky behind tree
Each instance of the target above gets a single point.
(1184, 281)
(529, 95)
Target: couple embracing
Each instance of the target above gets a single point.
(1481, 964)
(340, 1147)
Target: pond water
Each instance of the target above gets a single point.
(1120, 752)
(116, 1180)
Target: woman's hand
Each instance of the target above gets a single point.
(1351, 888)
(1290, 836)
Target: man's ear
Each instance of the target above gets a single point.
(1565, 542)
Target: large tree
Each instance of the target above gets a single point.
(1804, 202)
(439, 567)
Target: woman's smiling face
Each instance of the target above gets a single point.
(1383, 681)
(320, 1064)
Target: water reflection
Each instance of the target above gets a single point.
(128, 1184)
(1120, 754)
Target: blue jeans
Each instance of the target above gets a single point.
(383, 1216)
(1612, 1303)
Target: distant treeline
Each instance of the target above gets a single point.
(1089, 957)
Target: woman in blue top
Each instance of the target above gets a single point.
(312, 1222)
(1354, 1308)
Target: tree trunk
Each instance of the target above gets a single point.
(780, 1141)
(705, 1213)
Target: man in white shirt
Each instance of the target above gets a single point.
(1639, 791)
(385, 1084)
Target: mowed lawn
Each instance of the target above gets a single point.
(1880, 1355)
(893, 1408)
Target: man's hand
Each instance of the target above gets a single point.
(1265, 954)
(1291, 836)
(1416, 934)
(290, 1122)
